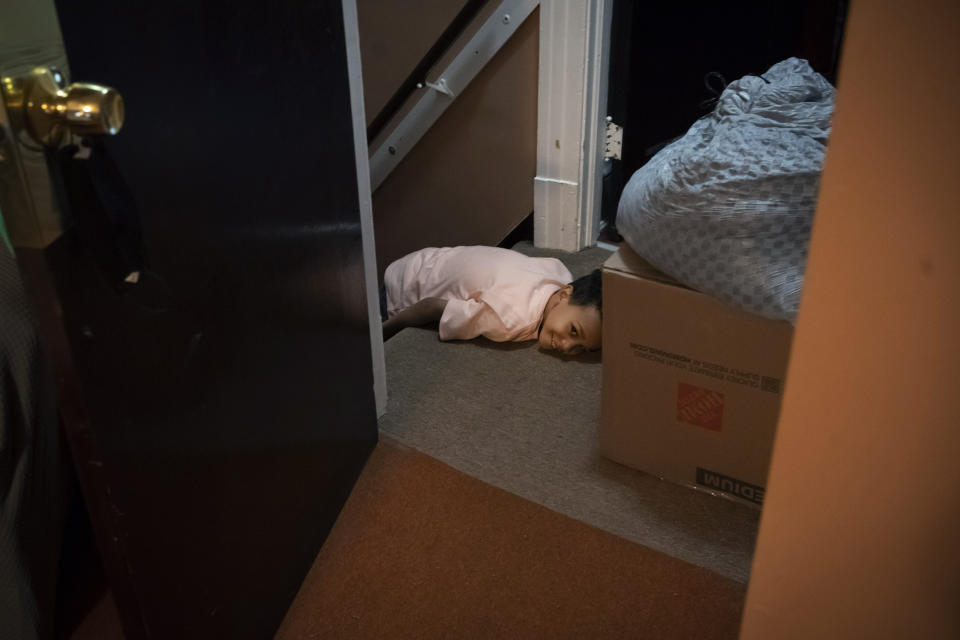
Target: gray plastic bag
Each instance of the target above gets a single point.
(727, 209)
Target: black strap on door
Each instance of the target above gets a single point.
(104, 211)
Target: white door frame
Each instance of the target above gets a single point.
(571, 117)
(352, 34)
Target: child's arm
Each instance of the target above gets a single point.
(424, 312)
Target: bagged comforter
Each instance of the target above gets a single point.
(727, 209)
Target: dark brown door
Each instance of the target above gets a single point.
(202, 297)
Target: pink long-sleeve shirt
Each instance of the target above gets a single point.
(491, 292)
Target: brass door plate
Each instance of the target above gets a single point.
(27, 201)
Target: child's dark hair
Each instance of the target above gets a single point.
(588, 291)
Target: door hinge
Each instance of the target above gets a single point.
(613, 141)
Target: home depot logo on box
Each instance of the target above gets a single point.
(699, 407)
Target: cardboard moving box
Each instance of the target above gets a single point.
(691, 386)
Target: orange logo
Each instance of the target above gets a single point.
(699, 407)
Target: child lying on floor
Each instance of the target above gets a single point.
(496, 293)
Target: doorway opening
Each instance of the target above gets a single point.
(527, 421)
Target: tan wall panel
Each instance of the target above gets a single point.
(394, 37)
(470, 179)
(860, 536)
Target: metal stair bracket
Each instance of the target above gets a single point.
(436, 96)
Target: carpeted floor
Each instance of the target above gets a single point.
(526, 421)
(423, 551)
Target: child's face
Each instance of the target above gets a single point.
(569, 328)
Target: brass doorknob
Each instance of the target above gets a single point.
(48, 112)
